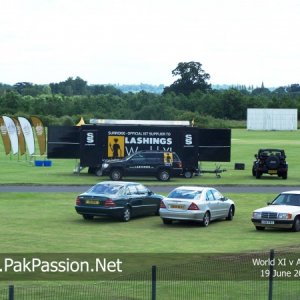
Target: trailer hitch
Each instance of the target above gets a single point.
(216, 171)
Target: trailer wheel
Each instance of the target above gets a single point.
(115, 174)
(98, 172)
(163, 175)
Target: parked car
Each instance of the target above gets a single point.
(282, 212)
(121, 200)
(201, 204)
(270, 161)
(161, 164)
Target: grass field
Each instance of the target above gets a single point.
(48, 223)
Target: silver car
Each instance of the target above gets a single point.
(201, 204)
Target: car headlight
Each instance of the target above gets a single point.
(256, 215)
(285, 216)
(105, 165)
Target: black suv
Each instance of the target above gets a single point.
(270, 161)
(161, 164)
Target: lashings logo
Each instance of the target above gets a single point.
(116, 146)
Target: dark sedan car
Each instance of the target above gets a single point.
(117, 199)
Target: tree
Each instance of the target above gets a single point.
(193, 78)
(9, 102)
(70, 87)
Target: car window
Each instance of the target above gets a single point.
(209, 196)
(217, 194)
(111, 189)
(293, 200)
(137, 157)
(175, 156)
(141, 189)
(280, 199)
(287, 199)
(131, 190)
(154, 155)
(184, 194)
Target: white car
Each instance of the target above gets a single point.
(202, 204)
(282, 212)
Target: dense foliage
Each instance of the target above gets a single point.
(65, 102)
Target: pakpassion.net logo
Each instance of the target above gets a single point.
(63, 266)
(140, 266)
(35, 264)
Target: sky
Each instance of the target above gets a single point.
(238, 42)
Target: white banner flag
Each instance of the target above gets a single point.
(12, 133)
(28, 134)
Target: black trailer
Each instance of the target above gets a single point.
(94, 143)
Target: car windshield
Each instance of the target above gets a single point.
(287, 199)
(106, 188)
(184, 194)
(271, 153)
(130, 156)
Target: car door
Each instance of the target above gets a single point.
(149, 203)
(134, 200)
(222, 206)
(155, 161)
(212, 204)
(134, 165)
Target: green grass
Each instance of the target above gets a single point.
(47, 222)
(21, 170)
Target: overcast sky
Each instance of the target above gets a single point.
(142, 41)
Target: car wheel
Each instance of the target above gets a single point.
(284, 175)
(206, 219)
(88, 217)
(163, 175)
(230, 214)
(115, 174)
(167, 221)
(258, 174)
(296, 224)
(126, 215)
(259, 228)
(188, 174)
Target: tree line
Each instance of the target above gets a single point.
(188, 98)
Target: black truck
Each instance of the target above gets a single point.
(95, 143)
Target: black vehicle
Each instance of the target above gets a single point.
(270, 161)
(121, 200)
(161, 164)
